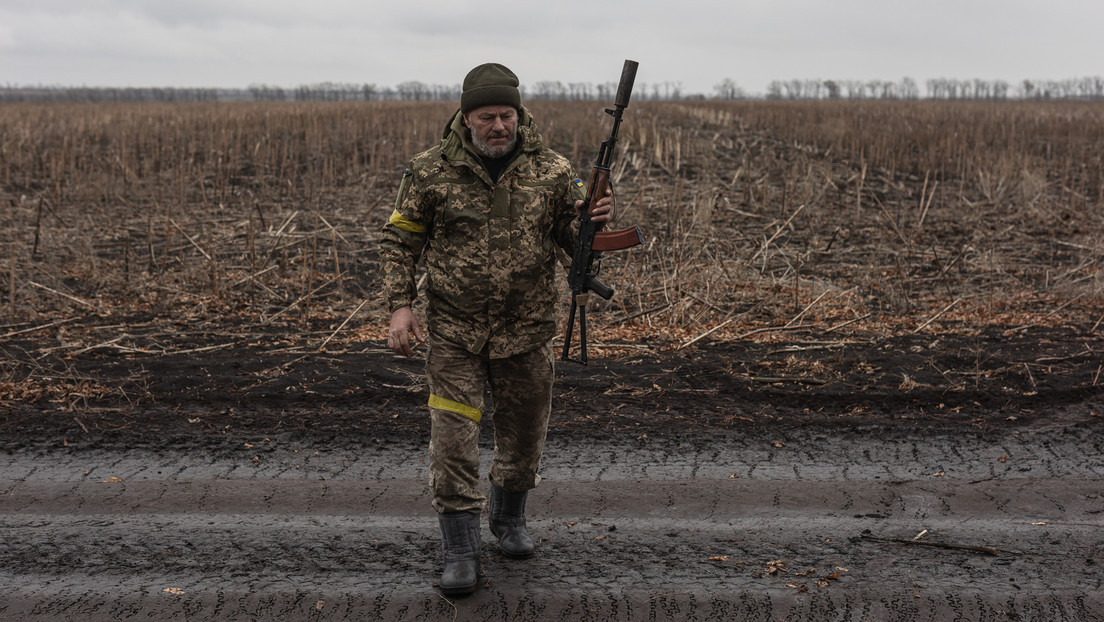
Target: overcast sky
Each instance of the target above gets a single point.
(692, 43)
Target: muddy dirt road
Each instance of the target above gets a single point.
(693, 528)
(679, 505)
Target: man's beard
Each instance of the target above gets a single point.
(487, 151)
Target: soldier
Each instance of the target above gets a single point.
(485, 210)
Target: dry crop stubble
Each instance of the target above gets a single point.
(864, 218)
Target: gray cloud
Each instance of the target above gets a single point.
(693, 43)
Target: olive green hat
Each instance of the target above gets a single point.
(490, 84)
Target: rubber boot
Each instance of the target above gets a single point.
(460, 541)
(507, 511)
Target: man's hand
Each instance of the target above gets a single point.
(403, 325)
(600, 210)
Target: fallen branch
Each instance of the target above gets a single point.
(301, 299)
(218, 346)
(771, 329)
(803, 311)
(639, 314)
(105, 344)
(1054, 359)
(34, 328)
(936, 316)
(841, 325)
(355, 311)
(705, 334)
(889, 219)
(777, 233)
(988, 550)
(189, 238)
(797, 379)
(253, 276)
(62, 294)
(335, 231)
(279, 234)
(1052, 312)
(813, 346)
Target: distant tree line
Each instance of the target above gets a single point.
(941, 88)
(330, 91)
(107, 94)
(1091, 88)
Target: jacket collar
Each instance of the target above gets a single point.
(457, 148)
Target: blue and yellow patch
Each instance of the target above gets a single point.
(578, 183)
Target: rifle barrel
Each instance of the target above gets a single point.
(624, 88)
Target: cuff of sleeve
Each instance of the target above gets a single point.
(394, 305)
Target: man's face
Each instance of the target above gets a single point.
(494, 130)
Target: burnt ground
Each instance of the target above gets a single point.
(912, 477)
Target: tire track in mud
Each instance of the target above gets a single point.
(700, 527)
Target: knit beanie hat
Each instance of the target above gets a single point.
(490, 84)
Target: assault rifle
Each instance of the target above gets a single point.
(587, 260)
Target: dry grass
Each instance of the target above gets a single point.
(762, 218)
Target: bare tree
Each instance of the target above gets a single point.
(728, 89)
(909, 89)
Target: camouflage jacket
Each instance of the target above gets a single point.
(489, 248)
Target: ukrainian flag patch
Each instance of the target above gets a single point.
(578, 183)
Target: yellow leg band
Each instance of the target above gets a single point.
(442, 403)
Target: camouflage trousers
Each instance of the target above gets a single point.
(521, 391)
